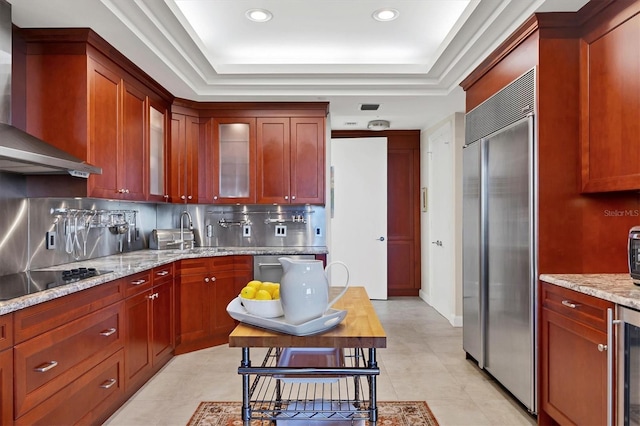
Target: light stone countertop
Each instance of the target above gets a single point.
(130, 263)
(616, 288)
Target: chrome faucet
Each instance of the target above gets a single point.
(182, 215)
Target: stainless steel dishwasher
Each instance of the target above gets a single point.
(267, 267)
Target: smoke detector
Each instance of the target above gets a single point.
(378, 125)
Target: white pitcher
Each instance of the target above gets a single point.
(304, 289)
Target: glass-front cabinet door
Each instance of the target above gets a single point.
(234, 152)
(157, 158)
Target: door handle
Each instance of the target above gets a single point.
(380, 239)
(437, 242)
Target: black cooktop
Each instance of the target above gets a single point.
(23, 283)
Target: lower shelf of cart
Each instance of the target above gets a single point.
(312, 412)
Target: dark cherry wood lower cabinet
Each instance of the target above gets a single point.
(573, 376)
(206, 287)
(149, 325)
(86, 400)
(6, 387)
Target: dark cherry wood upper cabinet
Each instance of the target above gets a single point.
(307, 162)
(188, 165)
(610, 101)
(291, 160)
(282, 162)
(233, 157)
(79, 94)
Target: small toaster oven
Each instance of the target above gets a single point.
(634, 254)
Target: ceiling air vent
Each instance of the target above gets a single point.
(369, 107)
(350, 123)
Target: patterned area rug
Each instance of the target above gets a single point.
(401, 413)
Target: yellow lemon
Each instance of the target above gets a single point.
(255, 284)
(248, 292)
(276, 294)
(263, 295)
(268, 286)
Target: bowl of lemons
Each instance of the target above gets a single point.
(262, 299)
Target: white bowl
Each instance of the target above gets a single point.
(263, 308)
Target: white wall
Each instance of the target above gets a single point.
(444, 293)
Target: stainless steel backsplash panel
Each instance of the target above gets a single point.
(226, 230)
(14, 224)
(24, 223)
(100, 240)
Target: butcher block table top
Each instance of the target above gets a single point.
(361, 328)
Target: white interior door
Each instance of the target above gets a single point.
(359, 218)
(441, 214)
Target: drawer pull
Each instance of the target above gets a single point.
(46, 366)
(163, 273)
(602, 347)
(569, 304)
(138, 282)
(152, 296)
(108, 383)
(108, 332)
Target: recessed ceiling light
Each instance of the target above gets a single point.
(385, 14)
(258, 15)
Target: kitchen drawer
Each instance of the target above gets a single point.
(207, 264)
(243, 263)
(87, 400)
(162, 274)
(6, 331)
(137, 283)
(34, 320)
(49, 362)
(579, 307)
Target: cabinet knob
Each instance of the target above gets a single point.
(166, 196)
(293, 197)
(189, 197)
(215, 197)
(213, 279)
(286, 197)
(183, 197)
(602, 347)
(206, 279)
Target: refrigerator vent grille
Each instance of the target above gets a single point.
(510, 104)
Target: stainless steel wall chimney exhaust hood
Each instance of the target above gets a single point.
(21, 152)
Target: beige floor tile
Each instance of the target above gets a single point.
(424, 360)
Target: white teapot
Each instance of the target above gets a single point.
(304, 289)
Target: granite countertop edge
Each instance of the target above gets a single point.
(616, 288)
(126, 264)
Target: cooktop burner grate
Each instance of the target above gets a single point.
(24, 283)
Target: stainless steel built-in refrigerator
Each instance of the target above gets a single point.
(499, 238)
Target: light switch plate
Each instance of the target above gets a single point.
(246, 230)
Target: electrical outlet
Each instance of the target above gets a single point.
(246, 230)
(51, 240)
(209, 230)
(281, 230)
(318, 232)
